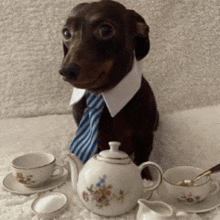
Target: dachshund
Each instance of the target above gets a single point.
(101, 42)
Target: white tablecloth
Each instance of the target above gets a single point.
(49, 134)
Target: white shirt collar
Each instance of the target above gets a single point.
(117, 97)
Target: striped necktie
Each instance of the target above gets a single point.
(85, 143)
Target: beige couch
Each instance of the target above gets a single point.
(182, 68)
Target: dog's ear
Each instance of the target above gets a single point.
(140, 32)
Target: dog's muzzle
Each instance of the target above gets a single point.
(70, 72)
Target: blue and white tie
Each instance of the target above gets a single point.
(85, 143)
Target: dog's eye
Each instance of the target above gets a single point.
(106, 31)
(66, 33)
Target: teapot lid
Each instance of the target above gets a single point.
(114, 155)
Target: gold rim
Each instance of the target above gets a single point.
(30, 168)
(174, 184)
(114, 160)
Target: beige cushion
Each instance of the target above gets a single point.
(190, 137)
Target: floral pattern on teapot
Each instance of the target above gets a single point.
(102, 193)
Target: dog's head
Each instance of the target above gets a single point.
(99, 43)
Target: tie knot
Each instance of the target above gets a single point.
(94, 100)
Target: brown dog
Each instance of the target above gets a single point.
(99, 43)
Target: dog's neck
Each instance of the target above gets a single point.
(117, 97)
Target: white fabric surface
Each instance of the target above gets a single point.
(190, 137)
(53, 133)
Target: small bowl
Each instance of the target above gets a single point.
(50, 204)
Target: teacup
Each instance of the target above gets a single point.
(188, 194)
(33, 169)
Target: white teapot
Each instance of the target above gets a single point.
(110, 184)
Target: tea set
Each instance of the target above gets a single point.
(110, 184)
(110, 181)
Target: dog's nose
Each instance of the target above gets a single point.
(70, 72)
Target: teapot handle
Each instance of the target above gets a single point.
(157, 182)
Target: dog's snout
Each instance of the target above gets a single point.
(70, 72)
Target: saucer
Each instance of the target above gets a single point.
(12, 185)
(210, 202)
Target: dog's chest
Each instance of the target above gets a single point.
(109, 128)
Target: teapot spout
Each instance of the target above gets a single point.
(75, 167)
